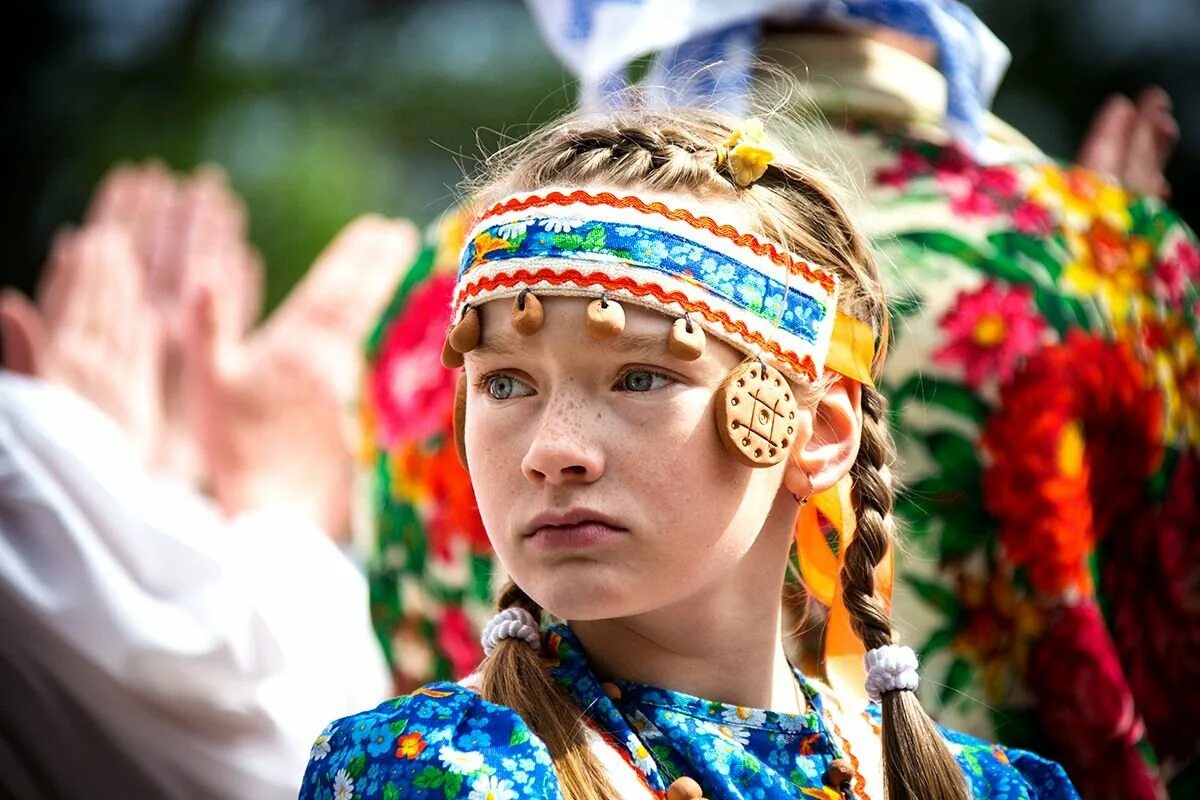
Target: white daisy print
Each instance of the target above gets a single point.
(461, 762)
(343, 786)
(561, 225)
(741, 715)
(512, 230)
(489, 787)
(641, 754)
(320, 747)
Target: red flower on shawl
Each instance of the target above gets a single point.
(1087, 709)
(408, 387)
(909, 164)
(1031, 218)
(1176, 272)
(989, 330)
(1151, 575)
(974, 190)
(458, 641)
(1077, 433)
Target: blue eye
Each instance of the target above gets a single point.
(505, 387)
(642, 380)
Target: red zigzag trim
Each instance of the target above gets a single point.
(805, 366)
(793, 265)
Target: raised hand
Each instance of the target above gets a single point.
(270, 409)
(93, 330)
(187, 231)
(1132, 142)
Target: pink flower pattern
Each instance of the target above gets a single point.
(989, 330)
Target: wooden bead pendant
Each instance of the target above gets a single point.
(687, 340)
(684, 789)
(838, 776)
(527, 315)
(756, 414)
(464, 337)
(605, 318)
(451, 358)
(460, 420)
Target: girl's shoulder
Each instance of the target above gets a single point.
(992, 771)
(998, 772)
(442, 741)
(1008, 773)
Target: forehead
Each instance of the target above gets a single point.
(564, 333)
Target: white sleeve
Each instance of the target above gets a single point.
(215, 651)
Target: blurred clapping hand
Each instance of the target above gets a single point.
(148, 311)
(270, 407)
(1132, 142)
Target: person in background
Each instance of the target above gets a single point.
(1006, 267)
(160, 640)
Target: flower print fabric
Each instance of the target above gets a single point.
(1045, 377)
(444, 741)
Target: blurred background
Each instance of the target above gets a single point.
(320, 111)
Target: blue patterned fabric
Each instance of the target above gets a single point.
(610, 243)
(446, 742)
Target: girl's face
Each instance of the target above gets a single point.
(597, 466)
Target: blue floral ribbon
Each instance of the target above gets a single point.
(626, 244)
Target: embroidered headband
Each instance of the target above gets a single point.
(615, 246)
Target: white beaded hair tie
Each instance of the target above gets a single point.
(511, 623)
(890, 668)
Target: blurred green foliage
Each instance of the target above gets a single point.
(320, 111)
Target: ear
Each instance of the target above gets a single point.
(818, 463)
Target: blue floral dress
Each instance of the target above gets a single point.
(444, 741)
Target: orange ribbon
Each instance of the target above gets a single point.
(851, 354)
(852, 349)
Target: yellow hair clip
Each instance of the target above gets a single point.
(746, 152)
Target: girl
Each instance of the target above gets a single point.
(669, 333)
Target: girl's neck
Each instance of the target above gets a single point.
(722, 643)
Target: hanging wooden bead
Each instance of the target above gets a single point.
(605, 318)
(451, 358)
(838, 776)
(464, 337)
(527, 315)
(460, 420)
(687, 340)
(756, 414)
(684, 789)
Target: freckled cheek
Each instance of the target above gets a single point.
(495, 448)
(673, 451)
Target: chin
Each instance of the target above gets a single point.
(584, 592)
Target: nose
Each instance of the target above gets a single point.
(565, 449)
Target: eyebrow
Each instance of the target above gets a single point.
(625, 343)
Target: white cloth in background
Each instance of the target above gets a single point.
(200, 657)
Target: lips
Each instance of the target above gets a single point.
(574, 528)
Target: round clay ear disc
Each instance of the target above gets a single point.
(460, 420)
(756, 414)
